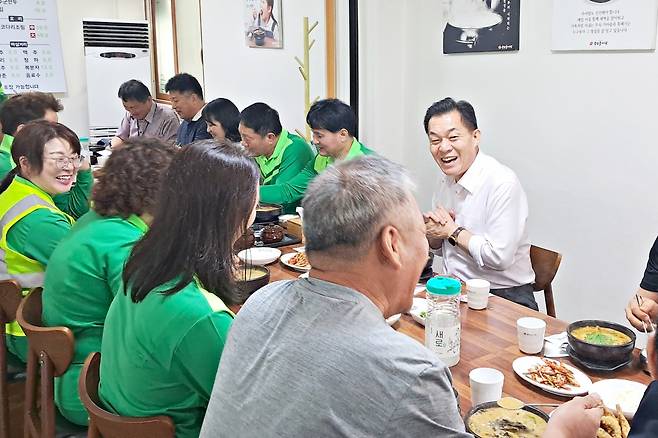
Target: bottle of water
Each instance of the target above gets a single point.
(442, 323)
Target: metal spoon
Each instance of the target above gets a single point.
(514, 404)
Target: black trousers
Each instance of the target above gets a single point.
(522, 295)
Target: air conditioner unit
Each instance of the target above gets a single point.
(115, 52)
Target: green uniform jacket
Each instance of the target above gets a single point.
(82, 278)
(292, 191)
(291, 154)
(74, 202)
(6, 161)
(37, 235)
(160, 356)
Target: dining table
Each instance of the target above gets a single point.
(489, 339)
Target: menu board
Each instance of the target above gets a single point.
(30, 48)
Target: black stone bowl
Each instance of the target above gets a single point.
(271, 214)
(248, 287)
(487, 405)
(607, 354)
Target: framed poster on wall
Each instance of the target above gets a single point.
(604, 24)
(481, 26)
(263, 26)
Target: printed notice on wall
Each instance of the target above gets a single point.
(30, 47)
(604, 24)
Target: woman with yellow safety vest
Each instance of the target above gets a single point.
(165, 332)
(48, 160)
(78, 291)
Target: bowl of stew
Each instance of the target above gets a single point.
(601, 341)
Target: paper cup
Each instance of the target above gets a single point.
(478, 293)
(486, 385)
(530, 332)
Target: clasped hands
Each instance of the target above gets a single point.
(439, 223)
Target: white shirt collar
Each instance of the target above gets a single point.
(474, 177)
(197, 116)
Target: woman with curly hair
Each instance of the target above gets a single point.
(164, 334)
(84, 272)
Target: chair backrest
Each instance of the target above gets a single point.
(107, 425)
(10, 299)
(50, 352)
(57, 342)
(545, 263)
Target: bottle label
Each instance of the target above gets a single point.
(444, 341)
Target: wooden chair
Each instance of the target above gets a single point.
(10, 298)
(545, 263)
(50, 352)
(107, 425)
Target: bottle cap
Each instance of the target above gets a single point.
(444, 286)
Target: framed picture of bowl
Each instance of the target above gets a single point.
(262, 24)
(481, 26)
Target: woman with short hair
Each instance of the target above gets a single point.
(222, 117)
(48, 161)
(84, 272)
(164, 333)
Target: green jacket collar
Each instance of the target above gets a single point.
(27, 182)
(138, 222)
(269, 166)
(321, 162)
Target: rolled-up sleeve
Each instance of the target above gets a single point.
(507, 213)
(124, 129)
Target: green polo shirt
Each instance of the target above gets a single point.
(82, 278)
(291, 154)
(37, 235)
(6, 161)
(292, 191)
(160, 356)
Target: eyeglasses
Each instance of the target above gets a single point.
(63, 162)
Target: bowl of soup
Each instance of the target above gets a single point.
(601, 341)
(250, 278)
(490, 420)
(268, 212)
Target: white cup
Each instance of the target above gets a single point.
(486, 385)
(530, 332)
(478, 293)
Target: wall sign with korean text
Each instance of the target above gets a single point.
(604, 24)
(30, 47)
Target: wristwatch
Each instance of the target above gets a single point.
(452, 239)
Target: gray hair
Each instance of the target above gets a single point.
(346, 205)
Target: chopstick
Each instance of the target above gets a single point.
(640, 301)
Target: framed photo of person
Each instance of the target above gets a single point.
(262, 24)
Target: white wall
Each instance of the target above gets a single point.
(247, 75)
(71, 13)
(578, 128)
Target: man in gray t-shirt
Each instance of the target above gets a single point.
(315, 357)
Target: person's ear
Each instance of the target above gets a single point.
(18, 129)
(271, 137)
(24, 166)
(389, 242)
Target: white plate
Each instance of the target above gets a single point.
(625, 392)
(259, 255)
(522, 364)
(419, 306)
(393, 319)
(285, 259)
(299, 249)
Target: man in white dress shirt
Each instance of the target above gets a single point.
(479, 221)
